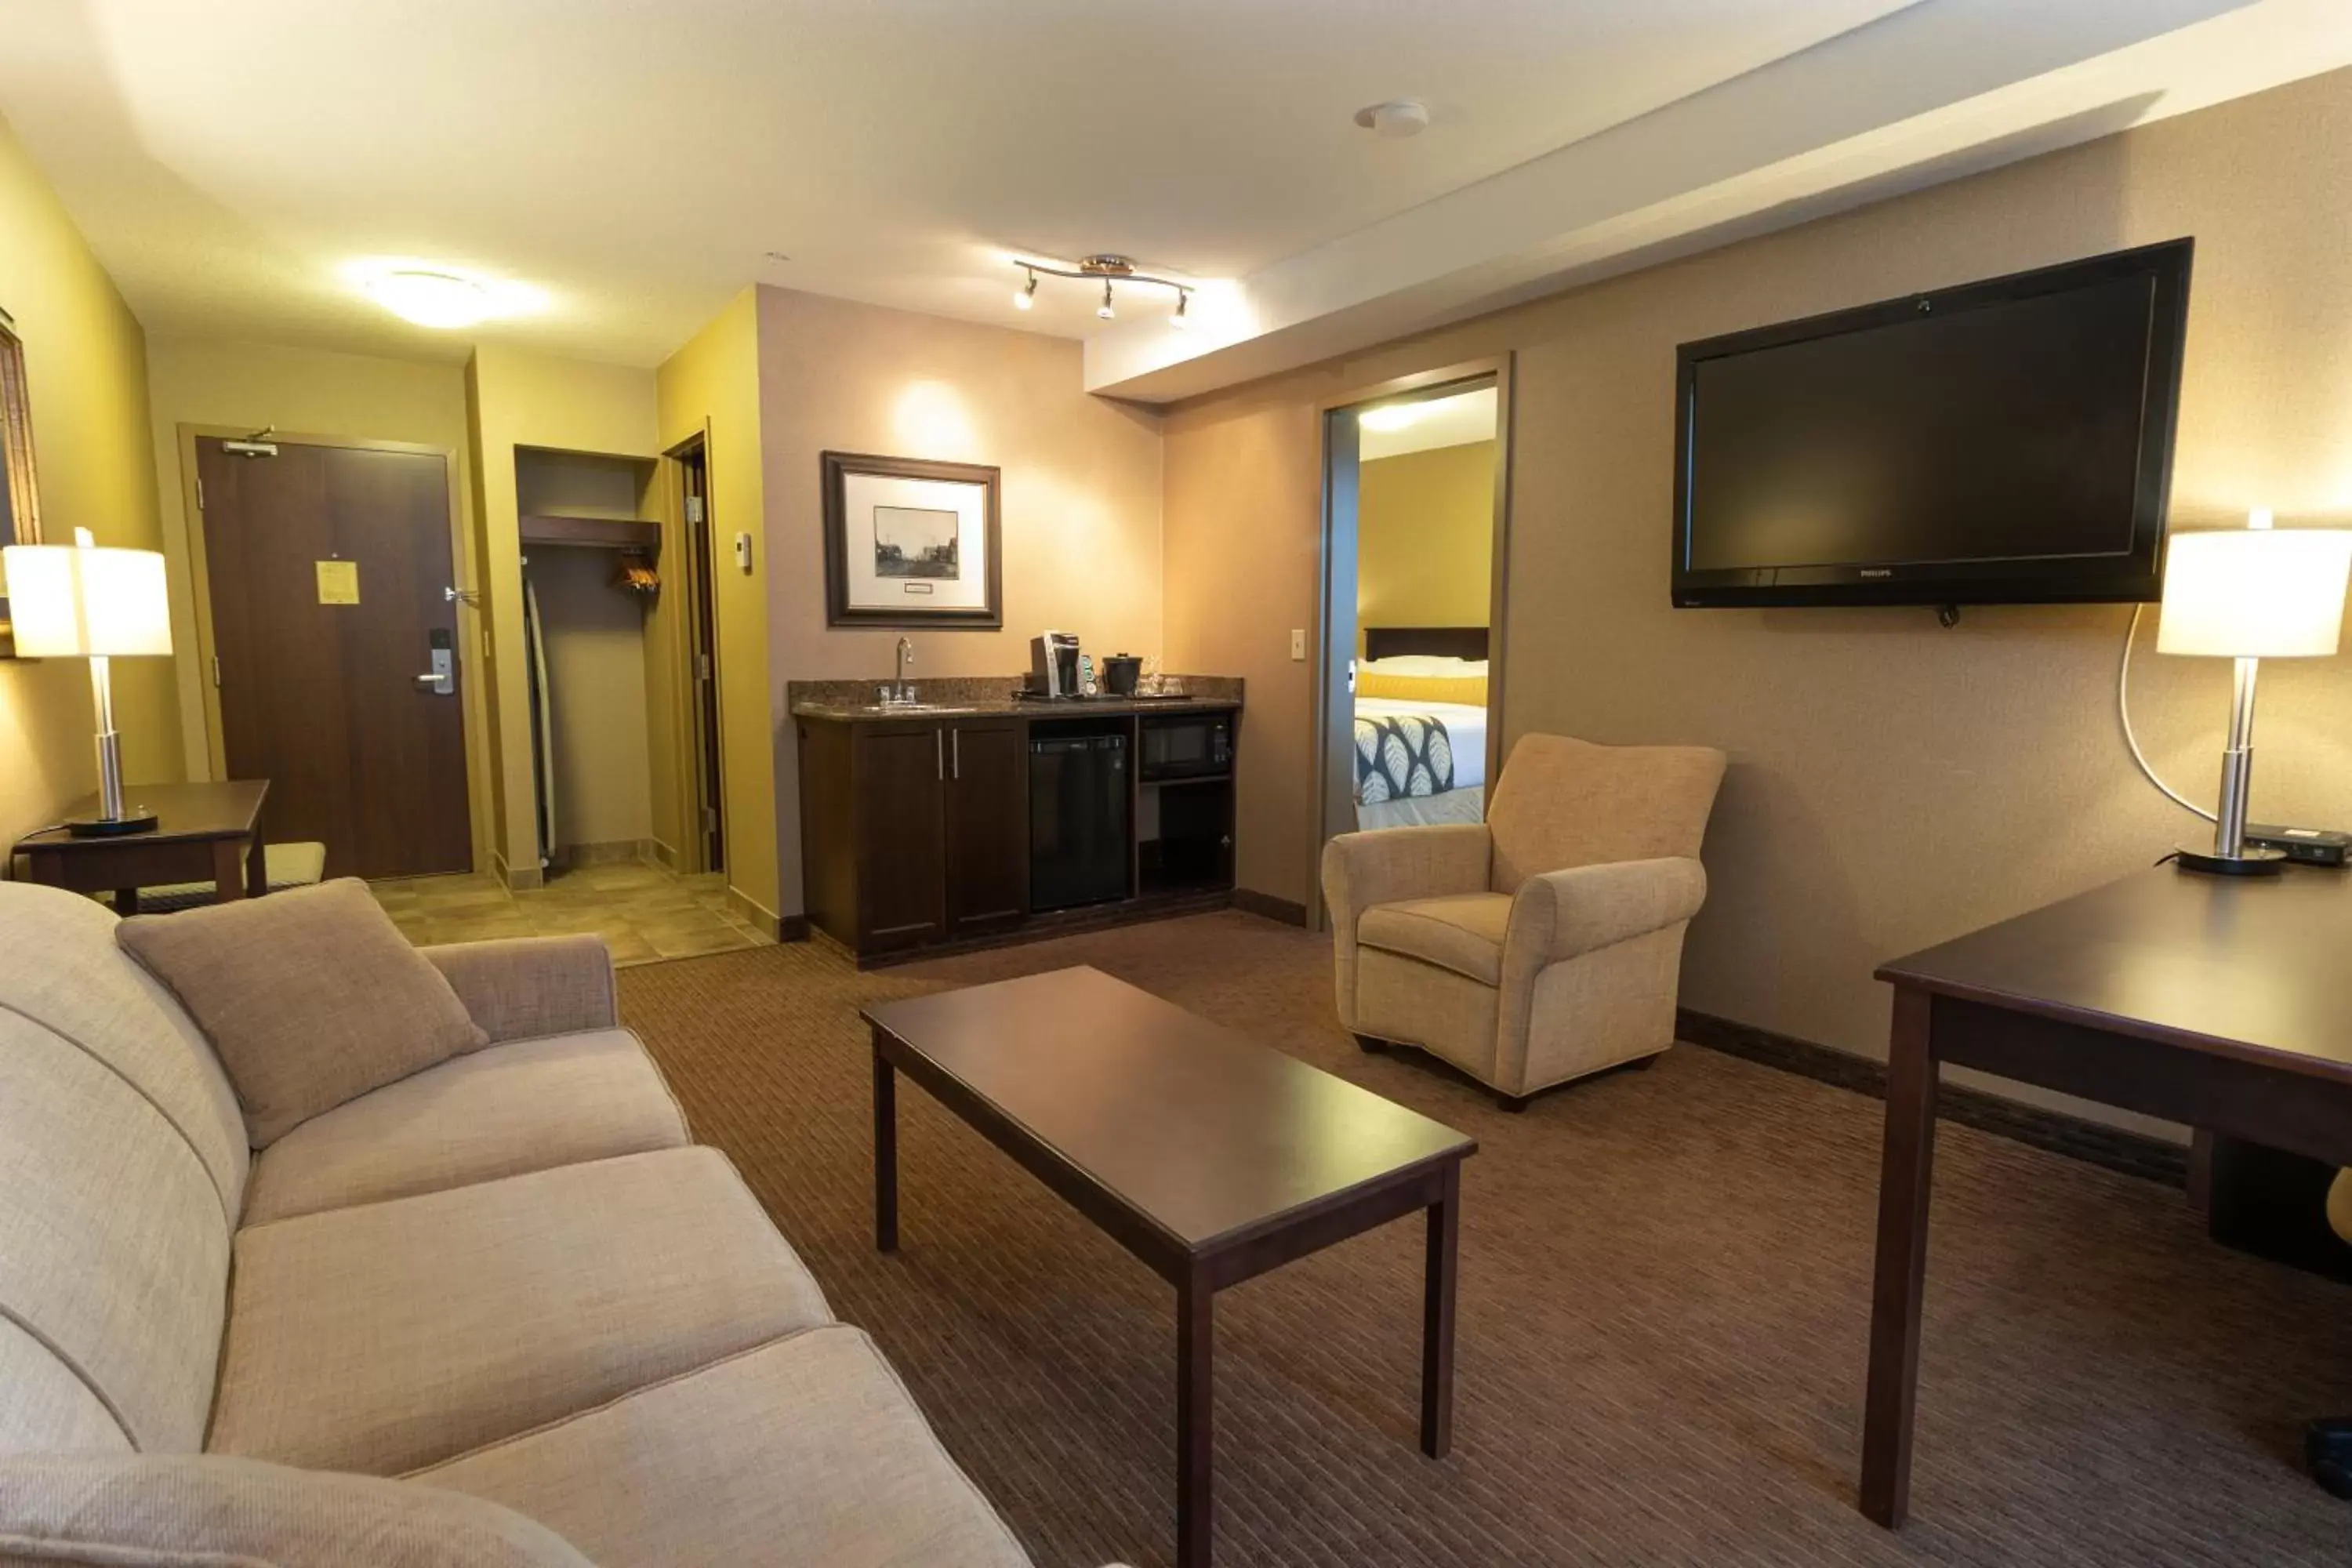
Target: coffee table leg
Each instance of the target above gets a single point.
(1437, 1319)
(1195, 1328)
(886, 1150)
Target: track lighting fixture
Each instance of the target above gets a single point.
(1110, 269)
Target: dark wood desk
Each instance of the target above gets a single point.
(2212, 1000)
(1209, 1157)
(205, 833)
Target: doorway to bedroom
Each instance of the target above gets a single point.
(1416, 500)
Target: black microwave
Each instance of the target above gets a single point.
(1187, 746)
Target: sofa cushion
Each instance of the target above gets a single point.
(184, 1509)
(44, 1405)
(805, 1453)
(500, 1112)
(384, 1338)
(520, 987)
(1463, 933)
(68, 976)
(312, 997)
(113, 1249)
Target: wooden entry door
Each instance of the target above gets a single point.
(328, 569)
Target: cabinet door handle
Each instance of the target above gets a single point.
(940, 754)
(955, 745)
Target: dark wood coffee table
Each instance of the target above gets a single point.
(1209, 1157)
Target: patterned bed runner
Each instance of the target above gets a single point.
(1402, 757)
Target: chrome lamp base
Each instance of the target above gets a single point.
(2250, 860)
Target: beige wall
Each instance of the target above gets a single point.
(1081, 493)
(712, 384)
(1425, 538)
(516, 398)
(85, 363)
(246, 386)
(1893, 783)
(596, 684)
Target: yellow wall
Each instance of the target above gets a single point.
(1425, 538)
(85, 363)
(517, 398)
(244, 387)
(1893, 783)
(1080, 493)
(713, 383)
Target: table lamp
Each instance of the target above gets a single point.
(77, 601)
(2249, 595)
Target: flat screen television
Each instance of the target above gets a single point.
(2004, 442)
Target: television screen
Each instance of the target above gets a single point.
(2004, 441)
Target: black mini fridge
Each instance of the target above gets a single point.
(1079, 843)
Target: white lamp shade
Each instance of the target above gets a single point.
(2255, 593)
(72, 601)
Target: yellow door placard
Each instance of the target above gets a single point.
(338, 582)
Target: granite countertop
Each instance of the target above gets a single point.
(966, 697)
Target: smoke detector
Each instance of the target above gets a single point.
(1396, 119)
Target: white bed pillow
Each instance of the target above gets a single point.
(1425, 664)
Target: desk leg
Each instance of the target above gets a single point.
(1437, 1319)
(1899, 1277)
(256, 867)
(886, 1150)
(126, 902)
(1195, 1332)
(228, 869)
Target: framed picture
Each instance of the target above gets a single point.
(910, 543)
(20, 501)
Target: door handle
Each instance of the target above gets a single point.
(939, 752)
(955, 745)
(442, 678)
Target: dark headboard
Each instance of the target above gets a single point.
(1430, 642)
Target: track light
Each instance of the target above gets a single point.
(1179, 320)
(1022, 298)
(1106, 312)
(1108, 268)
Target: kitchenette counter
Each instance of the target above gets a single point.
(957, 697)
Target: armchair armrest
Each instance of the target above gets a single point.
(1561, 914)
(1360, 869)
(521, 988)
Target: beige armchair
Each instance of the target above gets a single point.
(1544, 943)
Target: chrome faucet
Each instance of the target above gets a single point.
(899, 690)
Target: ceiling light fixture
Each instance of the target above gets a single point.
(1108, 268)
(1390, 416)
(440, 299)
(1395, 120)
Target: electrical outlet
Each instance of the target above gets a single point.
(1298, 644)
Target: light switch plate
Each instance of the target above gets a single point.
(1298, 644)
(743, 553)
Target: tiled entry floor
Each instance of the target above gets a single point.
(644, 912)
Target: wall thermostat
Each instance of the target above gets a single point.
(743, 553)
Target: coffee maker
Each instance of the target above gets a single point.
(1053, 665)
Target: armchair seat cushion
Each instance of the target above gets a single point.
(392, 1336)
(1461, 932)
(504, 1110)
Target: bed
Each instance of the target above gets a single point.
(1421, 726)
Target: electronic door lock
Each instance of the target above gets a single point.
(442, 678)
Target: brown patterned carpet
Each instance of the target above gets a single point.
(1664, 1290)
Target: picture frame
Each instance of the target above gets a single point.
(20, 495)
(910, 542)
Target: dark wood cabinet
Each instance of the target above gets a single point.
(987, 825)
(915, 836)
(899, 776)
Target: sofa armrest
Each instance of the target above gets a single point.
(1562, 914)
(521, 988)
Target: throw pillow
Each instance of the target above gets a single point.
(310, 997)
(171, 1510)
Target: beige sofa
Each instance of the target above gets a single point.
(511, 1276)
(1544, 943)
